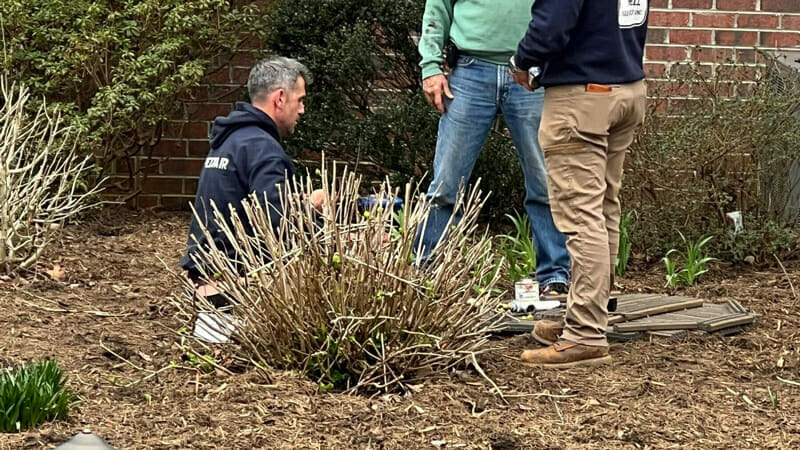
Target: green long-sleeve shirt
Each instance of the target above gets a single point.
(485, 29)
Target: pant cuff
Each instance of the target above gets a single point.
(553, 280)
(591, 341)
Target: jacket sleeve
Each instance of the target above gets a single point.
(435, 32)
(552, 22)
(267, 177)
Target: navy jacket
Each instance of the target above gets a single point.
(246, 156)
(585, 41)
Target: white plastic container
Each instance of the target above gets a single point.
(526, 290)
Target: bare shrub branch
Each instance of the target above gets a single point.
(41, 179)
(338, 295)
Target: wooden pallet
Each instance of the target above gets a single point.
(708, 317)
(639, 315)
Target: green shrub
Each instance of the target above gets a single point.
(116, 69)
(730, 147)
(694, 260)
(518, 248)
(33, 394)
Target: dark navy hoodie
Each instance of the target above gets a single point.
(246, 156)
(585, 41)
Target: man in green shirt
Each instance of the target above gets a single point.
(486, 33)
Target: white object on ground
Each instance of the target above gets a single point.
(531, 306)
(214, 328)
(545, 305)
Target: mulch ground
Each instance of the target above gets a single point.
(112, 313)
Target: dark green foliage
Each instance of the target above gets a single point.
(696, 160)
(366, 100)
(33, 394)
(118, 68)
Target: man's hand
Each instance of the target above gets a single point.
(317, 198)
(434, 87)
(521, 78)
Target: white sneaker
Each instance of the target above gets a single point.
(214, 327)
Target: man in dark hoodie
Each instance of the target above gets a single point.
(588, 56)
(246, 154)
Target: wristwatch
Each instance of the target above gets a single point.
(533, 73)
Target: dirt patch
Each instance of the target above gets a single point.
(697, 392)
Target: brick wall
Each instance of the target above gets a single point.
(711, 32)
(705, 31)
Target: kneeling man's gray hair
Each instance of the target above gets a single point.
(275, 73)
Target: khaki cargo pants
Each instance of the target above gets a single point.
(585, 134)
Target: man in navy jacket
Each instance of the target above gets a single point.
(588, 56)
(246, 154)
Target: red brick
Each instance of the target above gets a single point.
(757, 21)
(659, 3)
(198, 93)
(780, 40)
(736, 38)
(736, 5)
(199, 148)
(146, 201)
(227, 93)
(243, 59)
(690, 71)
(149, 166)
(191, 167)
(204, 111)
(190, 186)
(746, 56)
(240, 75)
(178, 203)
(713, 20)
(655, 70)
(790, 6)
(170, 148)
(251, 42)
(691, 4)
(664, 53)
(656, 36)
(669, 19)
(737, 72)
(190, 130)
(219, 75)
(790, 22)
(690, 37)
(711, 54)
(162, 185)
(664, 88)
(707, 89)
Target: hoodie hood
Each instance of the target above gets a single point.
(244, 115)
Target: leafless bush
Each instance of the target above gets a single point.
(345, 302)
(714, 144)
(41, 179)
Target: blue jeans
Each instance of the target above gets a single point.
(481, 90)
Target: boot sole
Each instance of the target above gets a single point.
(593, 362)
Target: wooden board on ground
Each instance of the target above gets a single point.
(638, 315)
(708, 317)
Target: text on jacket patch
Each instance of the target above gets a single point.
(216, 162)
(632, 13)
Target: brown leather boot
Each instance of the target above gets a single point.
(565, 354)
(547, 331)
